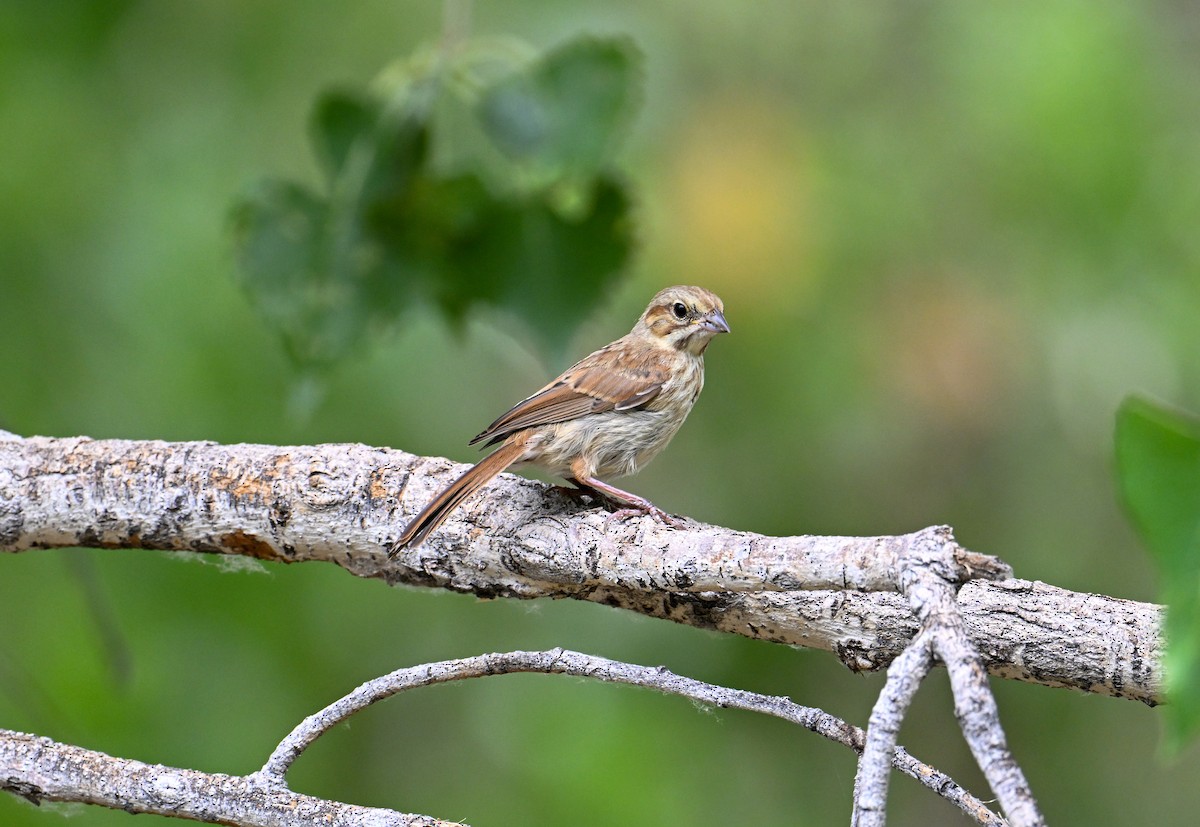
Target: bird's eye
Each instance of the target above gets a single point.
(679, 309)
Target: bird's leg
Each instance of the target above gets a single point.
(577, 491)
(632, 503)
(580, 490)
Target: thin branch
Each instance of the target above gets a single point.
(564, 662)
(39, 769)
(874, 766)
(979, 718)
(345, 503)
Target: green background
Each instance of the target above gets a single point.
(950, 237)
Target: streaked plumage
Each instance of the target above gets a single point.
(607, 415)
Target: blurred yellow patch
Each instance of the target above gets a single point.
(737, 201)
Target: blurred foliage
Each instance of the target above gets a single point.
(1158, 463)
(950, 237)
(469, 174)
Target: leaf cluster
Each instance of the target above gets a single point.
(475, 175)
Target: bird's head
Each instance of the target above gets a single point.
(684, 318)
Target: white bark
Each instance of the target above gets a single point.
(40, 769)
(863, 598)
(345, 503)
(563, 662)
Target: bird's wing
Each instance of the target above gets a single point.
(606, 380)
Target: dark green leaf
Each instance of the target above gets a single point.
(340, 118)
(567, 112)
(370, 150)
(419, 236)
(277, 228)
(549, 267)
(395, 155)
(1158, 467)
(544, 237)
(281, 233)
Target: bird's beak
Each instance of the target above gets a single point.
(715, 322)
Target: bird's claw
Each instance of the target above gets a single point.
(574, 492)
(653, 511)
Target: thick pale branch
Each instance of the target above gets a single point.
(40, 769)
(346, 503)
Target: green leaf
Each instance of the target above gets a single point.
(309, 263)
(1158, 468)
(552, 265)
(566, 113)
(371, 148)
(281, 231)
(341, 117)
(404, 218)
(393, 155)
(422, 236)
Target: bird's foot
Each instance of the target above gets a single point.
(575, 492)
(623, 504)
(652, 510)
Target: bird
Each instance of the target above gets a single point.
(605, 416)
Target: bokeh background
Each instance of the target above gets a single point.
(950, 237)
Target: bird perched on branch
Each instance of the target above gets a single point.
(606, 416)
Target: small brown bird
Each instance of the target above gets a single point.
(606, 416)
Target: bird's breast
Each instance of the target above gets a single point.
(618, 443)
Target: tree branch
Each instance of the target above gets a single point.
(39, 769)
(871, 780)
(564, 662)
(345, 503)
(942, 634)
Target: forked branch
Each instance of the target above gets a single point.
(909, 600)
(40, 769)
(943, 635)
(564, 662)
(344, 504)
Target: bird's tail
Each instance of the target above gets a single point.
(434, 514)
